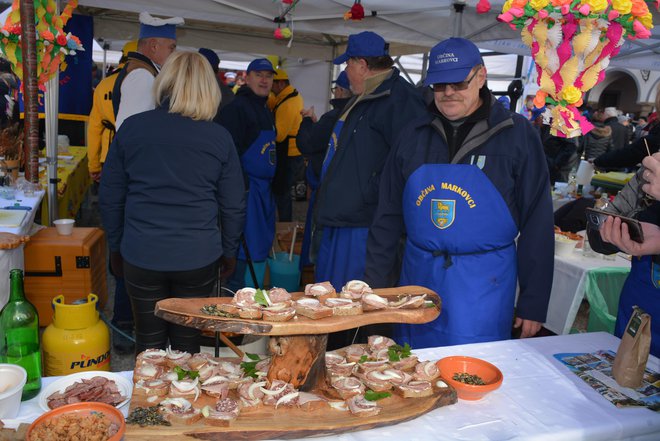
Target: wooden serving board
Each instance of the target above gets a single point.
(287, 423)
(187, 312)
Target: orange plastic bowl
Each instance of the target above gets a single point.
(491, 375)
(81, 409)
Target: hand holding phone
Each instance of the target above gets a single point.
(596, 219)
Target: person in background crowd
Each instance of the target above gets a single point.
(286, 107)
(639, 127)
(313, 139)
(172, 199)
(619, 132)
(230, 79)
(561, 156)
(240, 82)
(366, 130)
(505, 101)
(225, 92)
(100, 133)
(9, 111)
(468, 186)
(598, 141)
(251, 126)
(133, 88)
(624, 120)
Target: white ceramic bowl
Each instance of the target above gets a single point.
(64, 226)
(564, 246)
(12, 380)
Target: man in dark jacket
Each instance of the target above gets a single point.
(312, 140)
(227, 96)
(620, 135)
(365, 131)
(250, 124)
(463, 183)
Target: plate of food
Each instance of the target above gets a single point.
(90, 386)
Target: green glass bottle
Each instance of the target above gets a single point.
(19, 335)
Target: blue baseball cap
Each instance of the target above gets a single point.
(364, 44)
(451, 61)
(260, 65)
(536, 113)
(342, 81)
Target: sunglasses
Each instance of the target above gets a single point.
(441, 87)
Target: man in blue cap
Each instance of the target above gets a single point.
(462, 184)
(225, 91)
(251, 125)
(364, 133)
(133, 89)
(312, 140)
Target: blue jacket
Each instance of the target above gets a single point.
(172, 195)
(349, 191)
(245, 117)
(516, 166)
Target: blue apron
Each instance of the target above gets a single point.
(460, 244)
(313, 181)
(640, 289)
(259, 164)
(343, 250)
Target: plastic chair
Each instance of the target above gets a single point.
(603, 289)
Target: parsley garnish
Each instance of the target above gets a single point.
(370, 395)
(397, 352)
(182, 373)
(260, 298)
(363, 359)
(250, 367)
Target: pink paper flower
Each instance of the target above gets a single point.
(640, 30)
(613, 14)
(516, 12)
(483, 6)
(584, 9)
(544, 14)
(506, 17)
(565, 9)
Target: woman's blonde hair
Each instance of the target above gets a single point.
(188, 81)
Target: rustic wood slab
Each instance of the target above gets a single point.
(187, 312)
(287, 423)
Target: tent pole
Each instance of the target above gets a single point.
(459, 6)
(51, 98)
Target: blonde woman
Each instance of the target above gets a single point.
(172, 199)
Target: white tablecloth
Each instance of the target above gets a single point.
(540, 399)
(568, 287)
(13, 259)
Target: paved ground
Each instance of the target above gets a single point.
(89, 216)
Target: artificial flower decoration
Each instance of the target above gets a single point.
(356, 13)
(282, 33)
(572, 42)
(483, 6)
(52, 43)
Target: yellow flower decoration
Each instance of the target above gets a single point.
(540, 4)
(597, 5)
(622, 6)
(507, 5)
(646, 20)
(571, 94)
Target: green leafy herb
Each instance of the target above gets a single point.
(363, 359)
(397, 352)
(213, 310)
(250, 367)
(147, 416)
(466, 378)
(181, 373)
(370, 395)
(260, 297)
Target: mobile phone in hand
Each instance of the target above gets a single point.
(596, 219)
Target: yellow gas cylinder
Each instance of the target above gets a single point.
(76, 340)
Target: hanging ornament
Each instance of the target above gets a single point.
(483, 6)
(53, 45)
(284, 33)
(287, 2)
(356, 13)
(572, 42)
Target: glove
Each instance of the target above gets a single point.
(228, 266)
(117, 264)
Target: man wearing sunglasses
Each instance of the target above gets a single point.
(462, 184)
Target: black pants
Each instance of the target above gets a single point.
(146, 287)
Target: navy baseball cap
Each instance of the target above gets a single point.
(451, 61)
(364, 44)
(342, 81)
(260, 65)
(210, 55)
